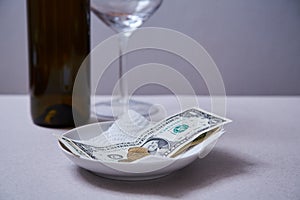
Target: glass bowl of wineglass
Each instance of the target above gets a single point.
(124, 17)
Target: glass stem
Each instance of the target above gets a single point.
(123, 85)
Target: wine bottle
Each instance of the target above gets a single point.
(58, 41)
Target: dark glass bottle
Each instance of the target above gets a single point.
(58, 41)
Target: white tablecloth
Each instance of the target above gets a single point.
(257, 158)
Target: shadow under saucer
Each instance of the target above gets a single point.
(218, 165)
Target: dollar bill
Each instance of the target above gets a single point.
(195, 142)
(168, 138)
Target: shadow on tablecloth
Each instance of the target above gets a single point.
(218, 165)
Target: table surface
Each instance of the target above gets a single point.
(257, 158)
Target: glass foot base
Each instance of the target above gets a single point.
(112, 109)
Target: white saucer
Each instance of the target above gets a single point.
(149, 167)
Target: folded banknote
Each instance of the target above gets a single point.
(167, 138)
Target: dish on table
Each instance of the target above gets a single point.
(149, 167)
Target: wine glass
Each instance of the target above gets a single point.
(123, 16)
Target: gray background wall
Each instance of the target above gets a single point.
(255, 44)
